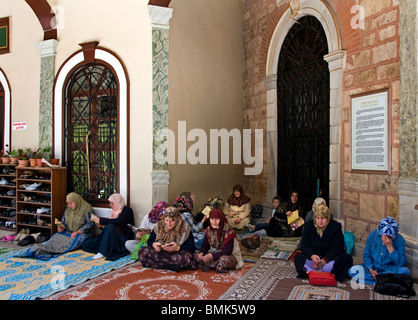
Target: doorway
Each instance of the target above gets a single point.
(303, 108)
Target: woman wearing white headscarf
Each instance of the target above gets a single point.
(384, 253)
(110, 243)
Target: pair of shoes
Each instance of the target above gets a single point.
(27, 240)
(23, 233)
(98, 256)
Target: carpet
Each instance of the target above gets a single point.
(29, 279)
(133, 282)
(272, 279)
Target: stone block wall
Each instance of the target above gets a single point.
(372, 63)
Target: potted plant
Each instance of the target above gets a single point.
(22, 158)
(13, 156)
(32, 156)
(5, 156)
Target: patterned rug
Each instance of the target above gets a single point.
(29, 279)
(272, 279)
(134, 282)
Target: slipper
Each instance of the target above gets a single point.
(9, 238)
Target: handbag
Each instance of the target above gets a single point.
(322, 278)
(393, 284)
(251, 242)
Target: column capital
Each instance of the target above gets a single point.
(160, 16)
(47, 48)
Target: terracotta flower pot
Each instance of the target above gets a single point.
(39, 163)
(5, 159)
(32, 162)
(54, 161)
(23, 163)
(13, 160)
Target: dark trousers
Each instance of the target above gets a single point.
(343, 262)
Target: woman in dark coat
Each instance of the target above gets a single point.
(322, 247)
(110, 243)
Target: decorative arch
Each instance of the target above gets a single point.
(284, 19)
(44, 13)
(7, 110)
(91, 52)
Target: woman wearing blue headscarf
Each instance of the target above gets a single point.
(384, 253)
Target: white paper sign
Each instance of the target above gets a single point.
(22, 125)
(369, 132)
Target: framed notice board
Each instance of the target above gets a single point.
(4, 35)
(370, 132)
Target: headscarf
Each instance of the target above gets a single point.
(323, 211)
(77, 217)
(243, 198)
(317, 202)
(184, 202)
(220, 236)
(178, 234)
(155, 214)
(388, 226)
(118, 205)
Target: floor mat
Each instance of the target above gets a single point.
(29, 279)
(134, 282)
(272, 279)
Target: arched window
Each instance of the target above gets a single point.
(91, 119)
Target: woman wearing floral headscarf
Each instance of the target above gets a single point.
(220, 249)
(170, 245)
(110, 243)
(384, 253)
(184, 202)
(147, 224)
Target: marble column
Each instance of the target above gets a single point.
(408, 158)
(160, 19)
(47, 51)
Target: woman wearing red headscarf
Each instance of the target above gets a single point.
(237, 209)
(220, 249)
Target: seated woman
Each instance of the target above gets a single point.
(74, 228)
(171, 244)
(147, 225)
(110, 243)
(384, 253)
(322, 246)
(220, 250)
(216, 202)
(237, 209)
(184, 203)
(278, 225)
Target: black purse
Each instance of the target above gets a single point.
(400, 285)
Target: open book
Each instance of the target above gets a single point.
(294, 220)
(59, 223)
(136, 229)
(206, 211)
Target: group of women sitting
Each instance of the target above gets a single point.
(169, 236)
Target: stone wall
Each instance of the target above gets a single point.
(372, 63)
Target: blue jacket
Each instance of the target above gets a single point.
(376, 256)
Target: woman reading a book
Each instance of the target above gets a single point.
(322, 247)
(170, 245)
(110, 243)
(282, 224)
(73, 229)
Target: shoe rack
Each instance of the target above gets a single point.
(7, 201)
(40, 197)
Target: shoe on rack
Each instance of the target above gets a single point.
(33, 186)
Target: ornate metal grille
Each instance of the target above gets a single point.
(91, 131)
(303, 112)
